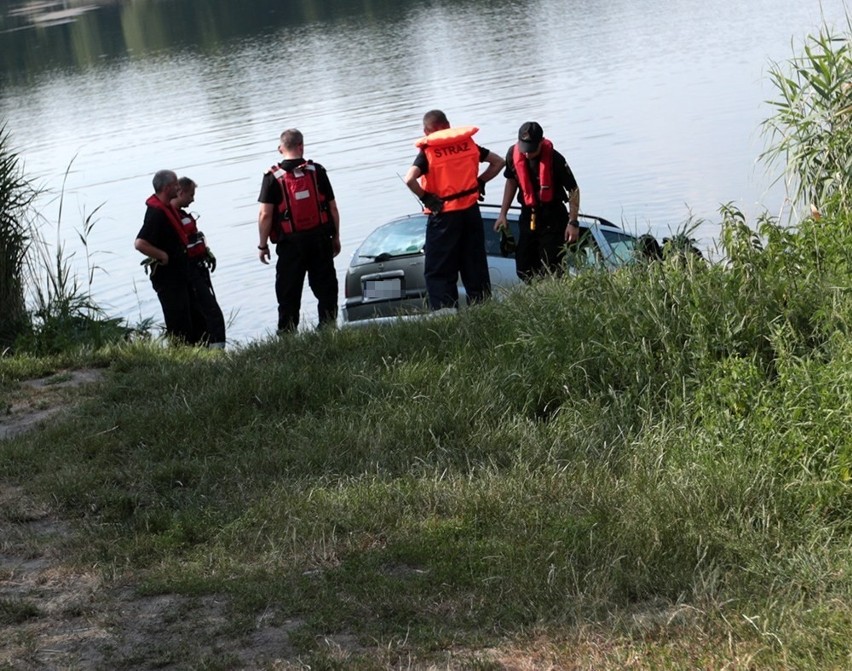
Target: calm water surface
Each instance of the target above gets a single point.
(656, 105)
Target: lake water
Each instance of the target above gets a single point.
(657, 107)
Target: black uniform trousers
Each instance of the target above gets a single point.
(455, 246)
(299, 254)
(205, 297)
(181, 311)
(542, 250)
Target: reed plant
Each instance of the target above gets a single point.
(811, 126)
(64, 314)
(61, 315)
(17, 194)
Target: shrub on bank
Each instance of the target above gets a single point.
(64, 316)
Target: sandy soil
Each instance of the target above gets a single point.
(39, 400)
(58, 615)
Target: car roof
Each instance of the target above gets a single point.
(515, 210)
(492, 210)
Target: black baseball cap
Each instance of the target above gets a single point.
(529, 136)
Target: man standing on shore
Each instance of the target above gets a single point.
(201, 263)
(543, 181)
(163, 240)
(445, 177)
(298, 213)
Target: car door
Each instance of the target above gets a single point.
(586, 252)
(500, 251)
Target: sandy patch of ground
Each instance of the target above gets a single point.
(38, 400)
(58, 615)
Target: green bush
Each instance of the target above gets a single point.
(812, 122)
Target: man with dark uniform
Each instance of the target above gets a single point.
(201, 263)
(541, 177)
(445, 178)
(163, 240)
(299, 215)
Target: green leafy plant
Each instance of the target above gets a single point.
(811, 128)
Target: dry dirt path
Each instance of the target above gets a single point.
(56, 614)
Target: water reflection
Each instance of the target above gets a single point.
(86, 32)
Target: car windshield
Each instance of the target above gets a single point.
(623, 247)
(398, 238)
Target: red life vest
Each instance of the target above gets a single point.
(173, 217)
(545, 175)
(196, 245)
(453, 166)
(303, 206)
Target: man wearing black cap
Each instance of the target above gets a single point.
(445, 177)
(544, 183)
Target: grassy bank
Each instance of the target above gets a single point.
(649, 465)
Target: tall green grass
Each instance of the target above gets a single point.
(603, 449)
(61, 314)
(64, 316)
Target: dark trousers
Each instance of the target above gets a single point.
(301, 254)
(181, 312)
(455, 246)
(205, 298)
(541, 251)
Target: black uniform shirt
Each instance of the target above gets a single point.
(157, 230)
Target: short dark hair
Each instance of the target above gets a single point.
(292, 138)
(435, 120)
(185, 183)
(162, 178)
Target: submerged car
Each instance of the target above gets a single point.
(385, 276)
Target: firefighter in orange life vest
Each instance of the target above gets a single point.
(445, 177)
(544, 183)
(299, 215)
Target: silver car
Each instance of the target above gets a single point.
(385, 276)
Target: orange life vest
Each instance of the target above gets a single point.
(303, 206)
(530, 196)
(453, 166)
